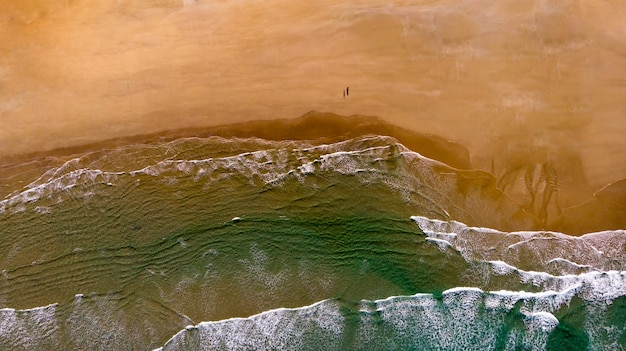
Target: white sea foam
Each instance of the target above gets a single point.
(568, 262)
(33, 329)
(56, 187)
(442, 244)
(276, 162)
(282, 328)
(541, 250)
(598, 286)
(307, 168)
(463, 317)
(42, 209)
(462, 290)
(460, 322)
(546, 321)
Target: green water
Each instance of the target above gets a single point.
(128, 247)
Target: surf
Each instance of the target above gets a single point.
(199, 235)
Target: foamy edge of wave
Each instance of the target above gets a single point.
(259, 316)
(537, 308)
(269, 165)
(28, 327)
(453, 227)
(591, 252)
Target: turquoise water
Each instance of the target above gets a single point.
(212, 243)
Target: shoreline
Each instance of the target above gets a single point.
(574, 208)
(16, 171)
(313, 126)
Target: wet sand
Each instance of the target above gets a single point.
(533, 91)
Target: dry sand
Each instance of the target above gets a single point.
(529, 87)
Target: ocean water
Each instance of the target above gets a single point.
(202, 243)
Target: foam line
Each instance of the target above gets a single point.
(271, 165)
(457, 311)
(550, 251)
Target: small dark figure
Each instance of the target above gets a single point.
(347, 91)
(344, 94)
